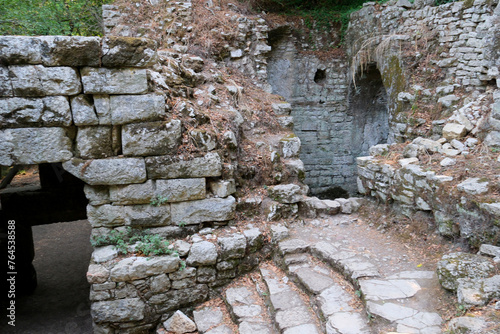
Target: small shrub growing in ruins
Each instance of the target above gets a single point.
(152, 244)
(158, 200)
(116, 238)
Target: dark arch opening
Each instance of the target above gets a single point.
(368, 107)
(320, 76)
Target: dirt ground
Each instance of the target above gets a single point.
(60, 303)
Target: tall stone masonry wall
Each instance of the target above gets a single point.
(462, 41)
(94, 104)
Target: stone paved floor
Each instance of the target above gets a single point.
(60, 304)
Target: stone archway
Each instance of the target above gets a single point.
(368, 105)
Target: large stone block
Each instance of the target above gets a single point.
(106, 215)
(147, 215)
(171, 167)
(121, 310)
(207, 210)
(5, 84)
(94, 142)
(132, 194)
(83, 110)
(202, 253)
(454, 131)
(26, 112)
(114, 81)
(30, 146)
(136, 108)
(151, 138)
(128, 51)
(102, 109)
(50, 50)
(38, 80)
(108, 171)
(134, 268)
(179, 190)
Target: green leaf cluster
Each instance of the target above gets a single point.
(51, 17)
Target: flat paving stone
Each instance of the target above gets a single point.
(247, 327)
(347, 323)
(293, 317)
(207, 317)
(302, 329)
(334, 299)
(388, 289)
(286, 300)
(358, 267)
(223, 329)
(313, 281)
(413, 275)
(293, 246)
(239, 295)
(296, 258)
(273, 283)
(247, 311)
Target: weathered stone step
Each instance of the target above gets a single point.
(334, 297)
(213, 319)
(247, 307)
(291, 313)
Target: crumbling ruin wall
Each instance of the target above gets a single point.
(98, 106)
(461, 50)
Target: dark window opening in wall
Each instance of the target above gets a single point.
(333, 193)
(368, 107)
(320, 76)
(53, 249)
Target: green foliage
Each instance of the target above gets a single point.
(116, 238)
(442, 2)
(153, 244)
(158, 200)
(51, 17)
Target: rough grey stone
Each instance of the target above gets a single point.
(211, 209)
(43, 81)
(313, 281)
(223, 329)
(202, 253)
(254, 239)
(83, 110)
(50, 50)
(128, 51)
(5, 84)
(380, 149)
(179, 323)
(160, 283)
(293, 317)
(454, 131)
(446, 162)
(290, 146)
(25, 112)
(179, 190)
(286, 193)
(106, 215)
(474, 186)
(182, 247)
(134, 268)
(170, 167)
(151, 138)
(139, 108)
(32, 146)
(279, 232)
(187, 272)
(175, 299)
(462, 265)
(97, 195)
(223, 188)
(97, 274)
(103, 254)
(293, 246)
(282, 108)
(347, 323)
(249, 327)
(302, 329)
(467, 324)
(334, 299)
(94, 142)
(114, 81)
(102, 109)
(207, 318)
(285, 300)
(122, 310)
(141, 193)
(232, 247)
(108, 171)
(146, 215)
(489, 250)
(389, 289)
(446, 224)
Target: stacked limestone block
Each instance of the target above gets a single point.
(88, 102)
(455, 208)
(133, 294)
